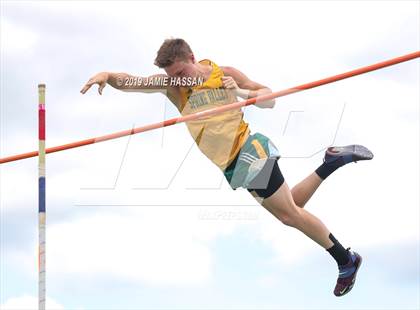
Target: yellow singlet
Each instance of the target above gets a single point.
(221, 136)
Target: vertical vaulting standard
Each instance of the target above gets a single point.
(41, 195)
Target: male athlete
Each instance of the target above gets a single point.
(247, 160)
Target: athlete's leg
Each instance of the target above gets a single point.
(277, 199)
(283, 207)
(335, 157)
(304, 190)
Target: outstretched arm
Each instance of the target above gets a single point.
(244, 87)
(127, 82)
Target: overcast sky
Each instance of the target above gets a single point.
(147, 222)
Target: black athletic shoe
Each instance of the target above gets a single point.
(341, 155)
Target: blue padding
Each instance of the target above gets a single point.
(41, 194)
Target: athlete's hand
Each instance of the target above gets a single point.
(229, 83)
(101, 79)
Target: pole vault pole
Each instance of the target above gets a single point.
(218, 110)
(41, 198)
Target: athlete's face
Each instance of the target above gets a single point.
(182, 68)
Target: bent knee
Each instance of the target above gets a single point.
(290, 218)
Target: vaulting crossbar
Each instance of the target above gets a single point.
(218, 110)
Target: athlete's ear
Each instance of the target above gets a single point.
(192, 58)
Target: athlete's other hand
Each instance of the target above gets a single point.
(101, 79)
(229, 82)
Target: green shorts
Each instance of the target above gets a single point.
(250, 160)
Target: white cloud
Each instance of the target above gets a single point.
(27, 302)
(154, 250)
(167, 246)
(18, 39)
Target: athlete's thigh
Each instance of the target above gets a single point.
(281, 202)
